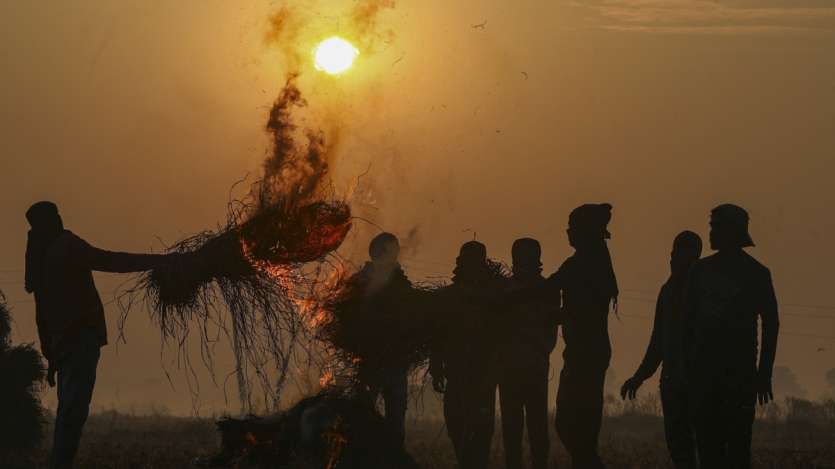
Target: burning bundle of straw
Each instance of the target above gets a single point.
(243, 255)
(252, 266)
(374, 335)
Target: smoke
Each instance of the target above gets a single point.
(297, 164)
(299, 159)
(786, 384)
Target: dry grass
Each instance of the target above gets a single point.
(114, 440)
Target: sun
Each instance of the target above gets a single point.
(334, 55)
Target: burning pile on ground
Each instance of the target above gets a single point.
(329, 431)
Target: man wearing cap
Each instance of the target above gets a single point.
(525, 361)
(70, 315)
(589, 288)
(726, 294)
(462, 360)
(385, 288)
(666, 346)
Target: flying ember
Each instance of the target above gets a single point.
(334, 55)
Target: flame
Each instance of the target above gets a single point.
(335, 441)
(327, 379)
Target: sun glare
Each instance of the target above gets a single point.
(334, 55)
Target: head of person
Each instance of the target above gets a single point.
(687, 249)
(46, 225)
(44, 219)
(729, 228)
(384, 249)
(471, 260)
(527, 254)
(587, 225)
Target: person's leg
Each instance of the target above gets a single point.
(566, 418)
(479, 427)
(510, 400)
(594, 389)
(536, 415)
(678, 429)
(454, 417)
(76, 380)
(707, 415)
(741, 419)
(395, 394)
(579, 416)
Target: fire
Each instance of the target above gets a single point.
(336, 441)
(334, 55)
(327, 379)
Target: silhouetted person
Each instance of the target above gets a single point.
(70, 315)
(666, 346)
(589, 288)
(726, 294)
(523, 384)
(385, 288)
(462, 363)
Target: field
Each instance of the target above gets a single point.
(797, 434)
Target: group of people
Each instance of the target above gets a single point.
(505, 327)
(502, 330)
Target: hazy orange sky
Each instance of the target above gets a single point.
(136, 117)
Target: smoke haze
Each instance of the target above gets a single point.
(136, 119)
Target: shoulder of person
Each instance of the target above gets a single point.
(755, 264)
(68, 242)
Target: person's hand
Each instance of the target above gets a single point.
(50, 375)
(439, 384)
(630, 388)
(765, 393)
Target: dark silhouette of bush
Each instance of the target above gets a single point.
(21, 372)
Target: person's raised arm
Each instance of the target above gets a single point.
(653, 356)
(117, 262)
(770, 325)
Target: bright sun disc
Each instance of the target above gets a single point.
(334, 55)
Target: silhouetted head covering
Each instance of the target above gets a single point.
(734, 219)
(471, 261)
(591, 220)
(377, 247)
(472, 252)
(688, 242)
(46, 225)
(587, 225)
(527, 254)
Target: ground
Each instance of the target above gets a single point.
(115, 440)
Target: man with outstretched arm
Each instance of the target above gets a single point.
(70, 315)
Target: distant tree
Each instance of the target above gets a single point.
(830, 381)
(22, 421)
(786, 384)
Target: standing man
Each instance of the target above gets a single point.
(726, 294)
(70, 315)
(523, 384)
(385, 289)
(666, 346)
(589, 289)
(462, 364)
